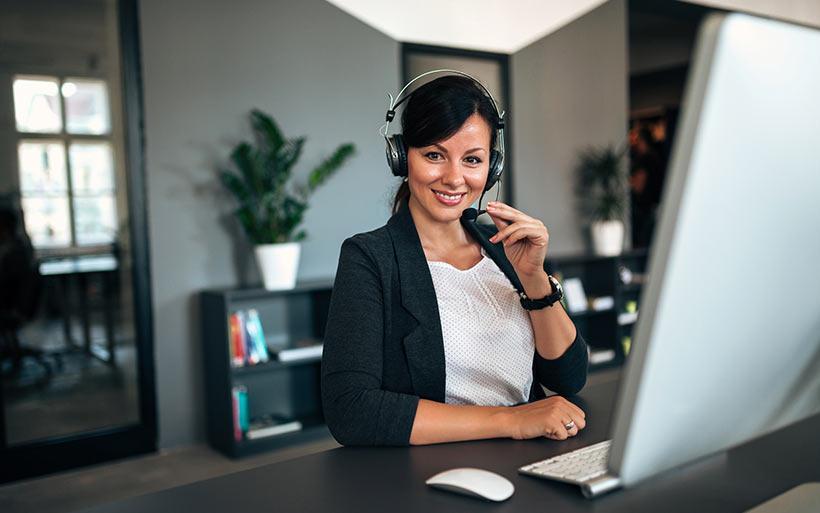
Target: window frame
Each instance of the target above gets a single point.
(66, 138)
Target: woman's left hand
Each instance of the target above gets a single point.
(525, 241)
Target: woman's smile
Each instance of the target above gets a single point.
(450, 199)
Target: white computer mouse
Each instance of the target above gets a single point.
(474, 482)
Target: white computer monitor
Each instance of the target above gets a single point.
(727, 344)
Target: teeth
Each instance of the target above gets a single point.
(449, 197)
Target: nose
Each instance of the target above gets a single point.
(453, 175)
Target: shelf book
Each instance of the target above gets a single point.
(248, 346)
(246, 340)
(262, 362)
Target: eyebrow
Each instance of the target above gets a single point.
(443, 149)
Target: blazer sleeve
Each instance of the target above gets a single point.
(567, 374)
(357, 410)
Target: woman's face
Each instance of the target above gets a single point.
(445, 178)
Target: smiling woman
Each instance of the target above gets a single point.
(427, 339)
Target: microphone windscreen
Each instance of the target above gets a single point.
(470, 214)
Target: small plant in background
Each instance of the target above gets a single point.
(602, 183)
(269, 208)
(602, 196)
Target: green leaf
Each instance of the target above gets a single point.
(329, 166)
(235, 185)
(287, 157)
(247, 162)
(267, 131)
(248, 222)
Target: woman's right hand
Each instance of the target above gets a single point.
(546, 417)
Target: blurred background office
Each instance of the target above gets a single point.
(116, 117)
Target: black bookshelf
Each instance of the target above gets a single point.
(601, 276)
(290, 389)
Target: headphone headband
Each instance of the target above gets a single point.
(391, 110)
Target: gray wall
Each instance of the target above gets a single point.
(569, 90)
(206, 63)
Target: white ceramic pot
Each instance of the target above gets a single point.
(278, 264)
(608, 237)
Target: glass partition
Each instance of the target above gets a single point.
(75, 349)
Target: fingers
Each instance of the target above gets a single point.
(511, 234)
(499, 223)
(556, 431)
(576, 422)
(535, 234)
(566, 421)
(505, 211)
(578, 411)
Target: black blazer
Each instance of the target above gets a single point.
(383, 347)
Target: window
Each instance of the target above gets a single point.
(66, 160)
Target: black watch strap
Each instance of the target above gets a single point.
(548, 300)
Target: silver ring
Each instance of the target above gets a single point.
(569, 425)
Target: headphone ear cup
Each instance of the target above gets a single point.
(396, 153)
(496, 167)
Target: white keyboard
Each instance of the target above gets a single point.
(577, 467)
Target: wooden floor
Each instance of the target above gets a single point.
(91, 486)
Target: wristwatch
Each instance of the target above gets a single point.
(548, 300)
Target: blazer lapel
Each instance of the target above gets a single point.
(424, 345)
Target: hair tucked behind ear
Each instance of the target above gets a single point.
(436, 110)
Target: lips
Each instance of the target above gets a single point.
(449, 198)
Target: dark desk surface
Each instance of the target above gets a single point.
(392, 479)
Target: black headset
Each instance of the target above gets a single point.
(396, 149)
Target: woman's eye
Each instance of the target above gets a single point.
(473, 160)
(433, 155)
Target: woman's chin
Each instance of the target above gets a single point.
(450, 213)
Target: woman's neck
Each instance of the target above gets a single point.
(438, 239)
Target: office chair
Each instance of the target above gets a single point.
(22, 286)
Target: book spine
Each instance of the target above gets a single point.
(237, 353)
(231, 335)
(257, 335)
(251, 354)
(241, 416)
(244, 415)
(237, 429)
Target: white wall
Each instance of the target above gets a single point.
(206, 63)
(568, 90)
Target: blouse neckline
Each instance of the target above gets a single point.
(475, 266)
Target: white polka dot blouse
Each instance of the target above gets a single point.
(489, 344)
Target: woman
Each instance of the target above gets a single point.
(426, 340)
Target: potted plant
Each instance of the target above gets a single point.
(269, 209)
(602, 196)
